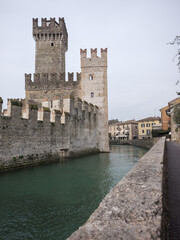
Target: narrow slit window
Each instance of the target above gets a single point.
(92, 94)
(52, 44)
(90, 77)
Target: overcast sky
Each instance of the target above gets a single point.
(141, 71)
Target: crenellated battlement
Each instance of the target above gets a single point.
(48, 23)
(94, 60)
(23, 109)
(51, 80)
(50, 29)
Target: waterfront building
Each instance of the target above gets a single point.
(123, 130)
(113, 129)
(146, 125)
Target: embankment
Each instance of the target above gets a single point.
(144, 143)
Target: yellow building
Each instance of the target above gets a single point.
(146, 125)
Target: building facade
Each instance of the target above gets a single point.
(123, 130)
(166, 120)
(146, 125)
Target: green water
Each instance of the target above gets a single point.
(51, 201)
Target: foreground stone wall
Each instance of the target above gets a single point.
(144, 143)
(133, 208)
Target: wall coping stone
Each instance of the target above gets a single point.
(133, 208)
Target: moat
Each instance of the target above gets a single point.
(52, 201)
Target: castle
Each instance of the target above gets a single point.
(58, 117)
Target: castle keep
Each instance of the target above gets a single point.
(58, 117)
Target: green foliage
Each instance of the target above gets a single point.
(33, 107)
(57, 111)
(16, 102)
(160, 133)
(1, 100)
(14, 158)
(46, 109)
(72, 97)
(21, 157)
(176, 113)
(30, 157)
(67, 113)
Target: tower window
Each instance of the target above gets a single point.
(90, 77)
(52, 44)
(92, 94)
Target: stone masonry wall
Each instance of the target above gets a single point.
(51, 39)
(133, 208)
(28, 141)
(144, 143)
(94, 89)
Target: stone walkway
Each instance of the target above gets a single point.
(173, 158)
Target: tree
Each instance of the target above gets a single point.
(177, 41)
(176, 114)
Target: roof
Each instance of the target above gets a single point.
(174, 101)
(128, 122)
(148, 119)
(115, 123)
(164, 108)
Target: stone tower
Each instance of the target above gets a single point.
(94, 89)
(51, 45)
(48, 82)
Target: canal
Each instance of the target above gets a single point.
(50, 202)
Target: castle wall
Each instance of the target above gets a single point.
(50, 86)
(31, 141)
